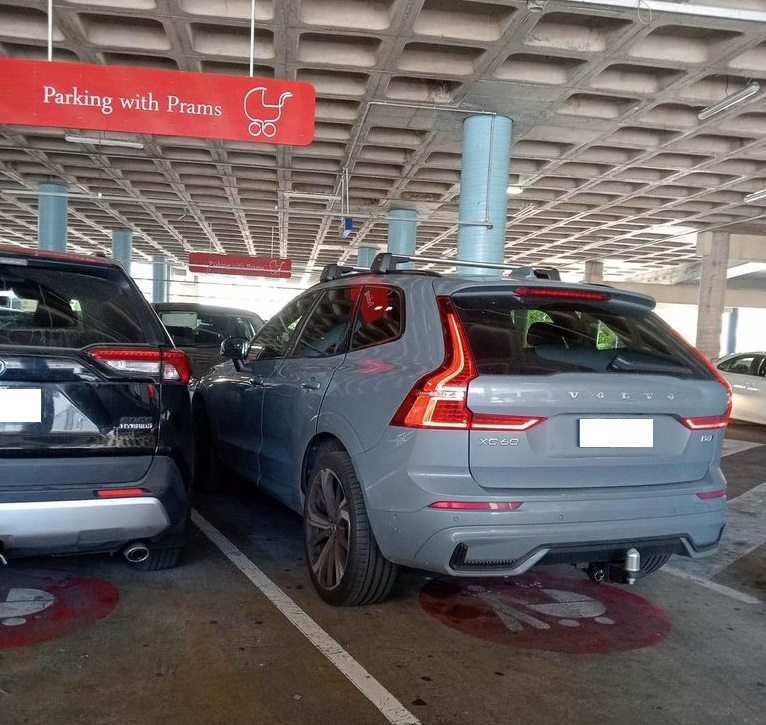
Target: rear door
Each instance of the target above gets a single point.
(234, 392)
(63, 393)
(294, 393)
(591, 391)
(747, 387)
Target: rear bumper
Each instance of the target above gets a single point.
(73, 520)
(508, 550)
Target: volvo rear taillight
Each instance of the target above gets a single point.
(168, 365)
(711, 422)
(439, 399)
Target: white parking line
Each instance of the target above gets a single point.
(731, 446)
(382, 699)
(745, 531)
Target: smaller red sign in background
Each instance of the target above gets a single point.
(205, 263)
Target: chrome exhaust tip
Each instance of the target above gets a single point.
(136, 552)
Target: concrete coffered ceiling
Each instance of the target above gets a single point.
(614, 162)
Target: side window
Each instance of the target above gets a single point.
(724, 366)
(326, 330)
(379, 317)
(742, 365)
(274, 338)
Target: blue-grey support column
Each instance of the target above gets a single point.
(731, 336)
(402, 228)
(159, 279)
(483, 192)
(365, 255)
(52, 217)
(122, 247)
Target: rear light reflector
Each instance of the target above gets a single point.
(173, 364)
(483, 421)
(477, 505)
(705, 495)
(119, 492)
(562, 294)
(713, 422)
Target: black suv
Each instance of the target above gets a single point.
(95, 436)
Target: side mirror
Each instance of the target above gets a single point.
(234, 348)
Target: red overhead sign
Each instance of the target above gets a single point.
(202, 262)
(163, 102)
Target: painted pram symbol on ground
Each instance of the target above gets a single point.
(21, 603)
(564, 607)
(263, 116)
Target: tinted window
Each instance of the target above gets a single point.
(276, 336)
(69, 306)
(326, 330)
(742, 365)
(379, 318)
(190, 328)
(509, 337)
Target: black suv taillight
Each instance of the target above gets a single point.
(167, 365)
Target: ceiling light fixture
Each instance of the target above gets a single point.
(103, 141)
(514, 190)
(755, 196)
(726, 103)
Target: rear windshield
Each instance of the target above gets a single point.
(511, 336)
(69, 306)
(191, 328)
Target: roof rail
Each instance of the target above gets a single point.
(336, 271)
(387, 262)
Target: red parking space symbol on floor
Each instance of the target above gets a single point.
(547, 612)
(39, 606)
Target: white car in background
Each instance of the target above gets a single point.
(746, 372)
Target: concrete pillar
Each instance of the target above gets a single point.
(594, 272)
(483, 192)
(712, 293)
(731, 333)
(159, 278)
(52, 217)
(122, 247)
(402, 228)
(365, 255)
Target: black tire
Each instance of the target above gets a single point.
(653, 563)
(159, 559)
(207, 468)
(334, 519)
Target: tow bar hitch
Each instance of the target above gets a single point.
(625, 573)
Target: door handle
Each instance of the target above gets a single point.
(257, 380)
(311, 385)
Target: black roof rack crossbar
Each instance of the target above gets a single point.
(335, 271)
(388, 262)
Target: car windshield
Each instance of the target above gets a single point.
(511, 336)
(70, 306)
(192, 328)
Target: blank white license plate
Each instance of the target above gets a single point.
(616, 433)
(20, 405)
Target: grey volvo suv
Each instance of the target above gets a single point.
(472, 427)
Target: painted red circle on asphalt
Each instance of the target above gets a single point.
(547, 612)
(37, 606)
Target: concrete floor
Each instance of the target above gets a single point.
(201, 644)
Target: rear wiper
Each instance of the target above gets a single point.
(624, 365)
